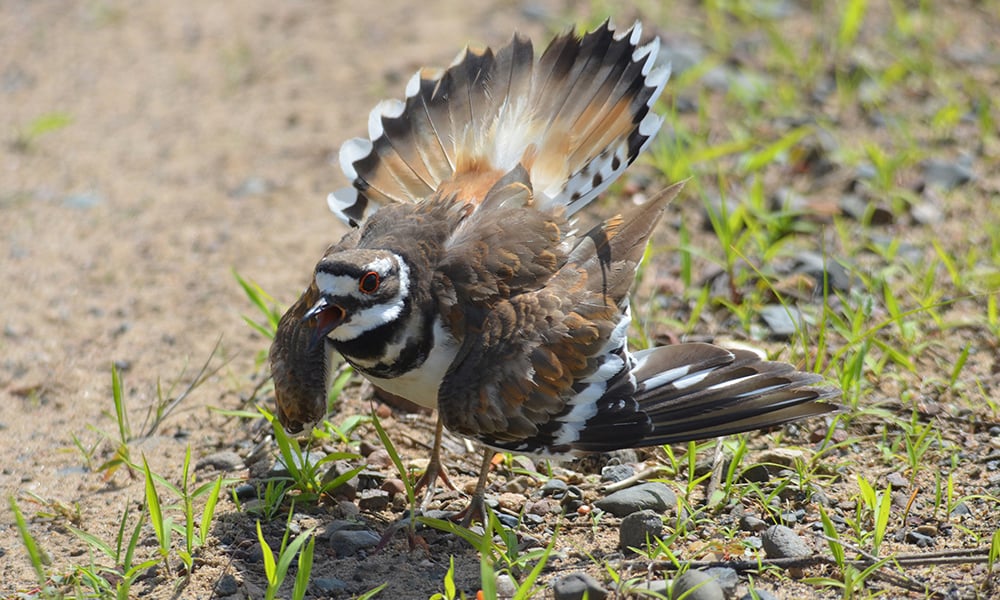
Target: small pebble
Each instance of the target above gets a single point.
(226, 586)
(759, 594)
(756, 474)
(394, 486)
(782, 321)
(652, 495)
(897, 481)
(506, 588)
(752, 523)
(697, 585)
(781, 542)
(616, 473)
(575, 585)
(789, 518)
(379, 459)
(639, 528)
(224, 461)
(948, 174)
(554, 487)
(347, 542)
(542, 507)
(329, 585)
(921, 540)
(511, 501)
(347, 489)
(245, 491)
(365, 448)
(374, 500)
(657, 588)
(727, 579)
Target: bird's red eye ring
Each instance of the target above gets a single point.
(369, 282)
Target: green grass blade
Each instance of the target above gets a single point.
(36, 556)
(372, 592)
(209, 511)
(270, 567)
(288, 553)
(850, 22)
(396, 460)
(305, 569)
(160, 527)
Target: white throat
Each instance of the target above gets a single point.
(421, 384)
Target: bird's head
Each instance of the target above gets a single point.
(358, 291)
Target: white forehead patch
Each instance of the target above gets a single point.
(381, 265)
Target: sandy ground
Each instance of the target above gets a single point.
(148, 150)
(196, 138)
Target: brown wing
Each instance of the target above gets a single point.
(524, 357)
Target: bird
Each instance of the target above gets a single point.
(466, 283)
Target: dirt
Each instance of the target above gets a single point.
(148, 151)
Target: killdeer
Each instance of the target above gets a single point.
(465, 285)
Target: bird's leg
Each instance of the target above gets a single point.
(477, 505)
(435, 470)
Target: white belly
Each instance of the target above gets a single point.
(421, 385)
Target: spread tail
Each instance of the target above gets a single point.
(575, 118)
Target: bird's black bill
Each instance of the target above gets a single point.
(325, 317)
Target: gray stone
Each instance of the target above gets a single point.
(226, 586)
(697, 585)
(760, 595)
(347, 542)
(575, 585)
(781, 542)
(897, 481)
(652, 495)
(638, 528)
(656, 586)
(616, 473)
(224, 461)
(926, 213)
(554, 487)
(329, 585)
(824, 268)
(866, 211)
(782, 321)
(727, 579)
(752, 523)
(756, 474)
(506, 588)
(920, 539)
(348, 489)
(948, 174)
(374, 500)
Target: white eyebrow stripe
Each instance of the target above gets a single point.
(381, 265)
(335, 285)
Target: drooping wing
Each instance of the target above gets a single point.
(535, 366)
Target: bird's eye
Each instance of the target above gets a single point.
(369, 282)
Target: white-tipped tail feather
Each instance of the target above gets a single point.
(575, 118)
